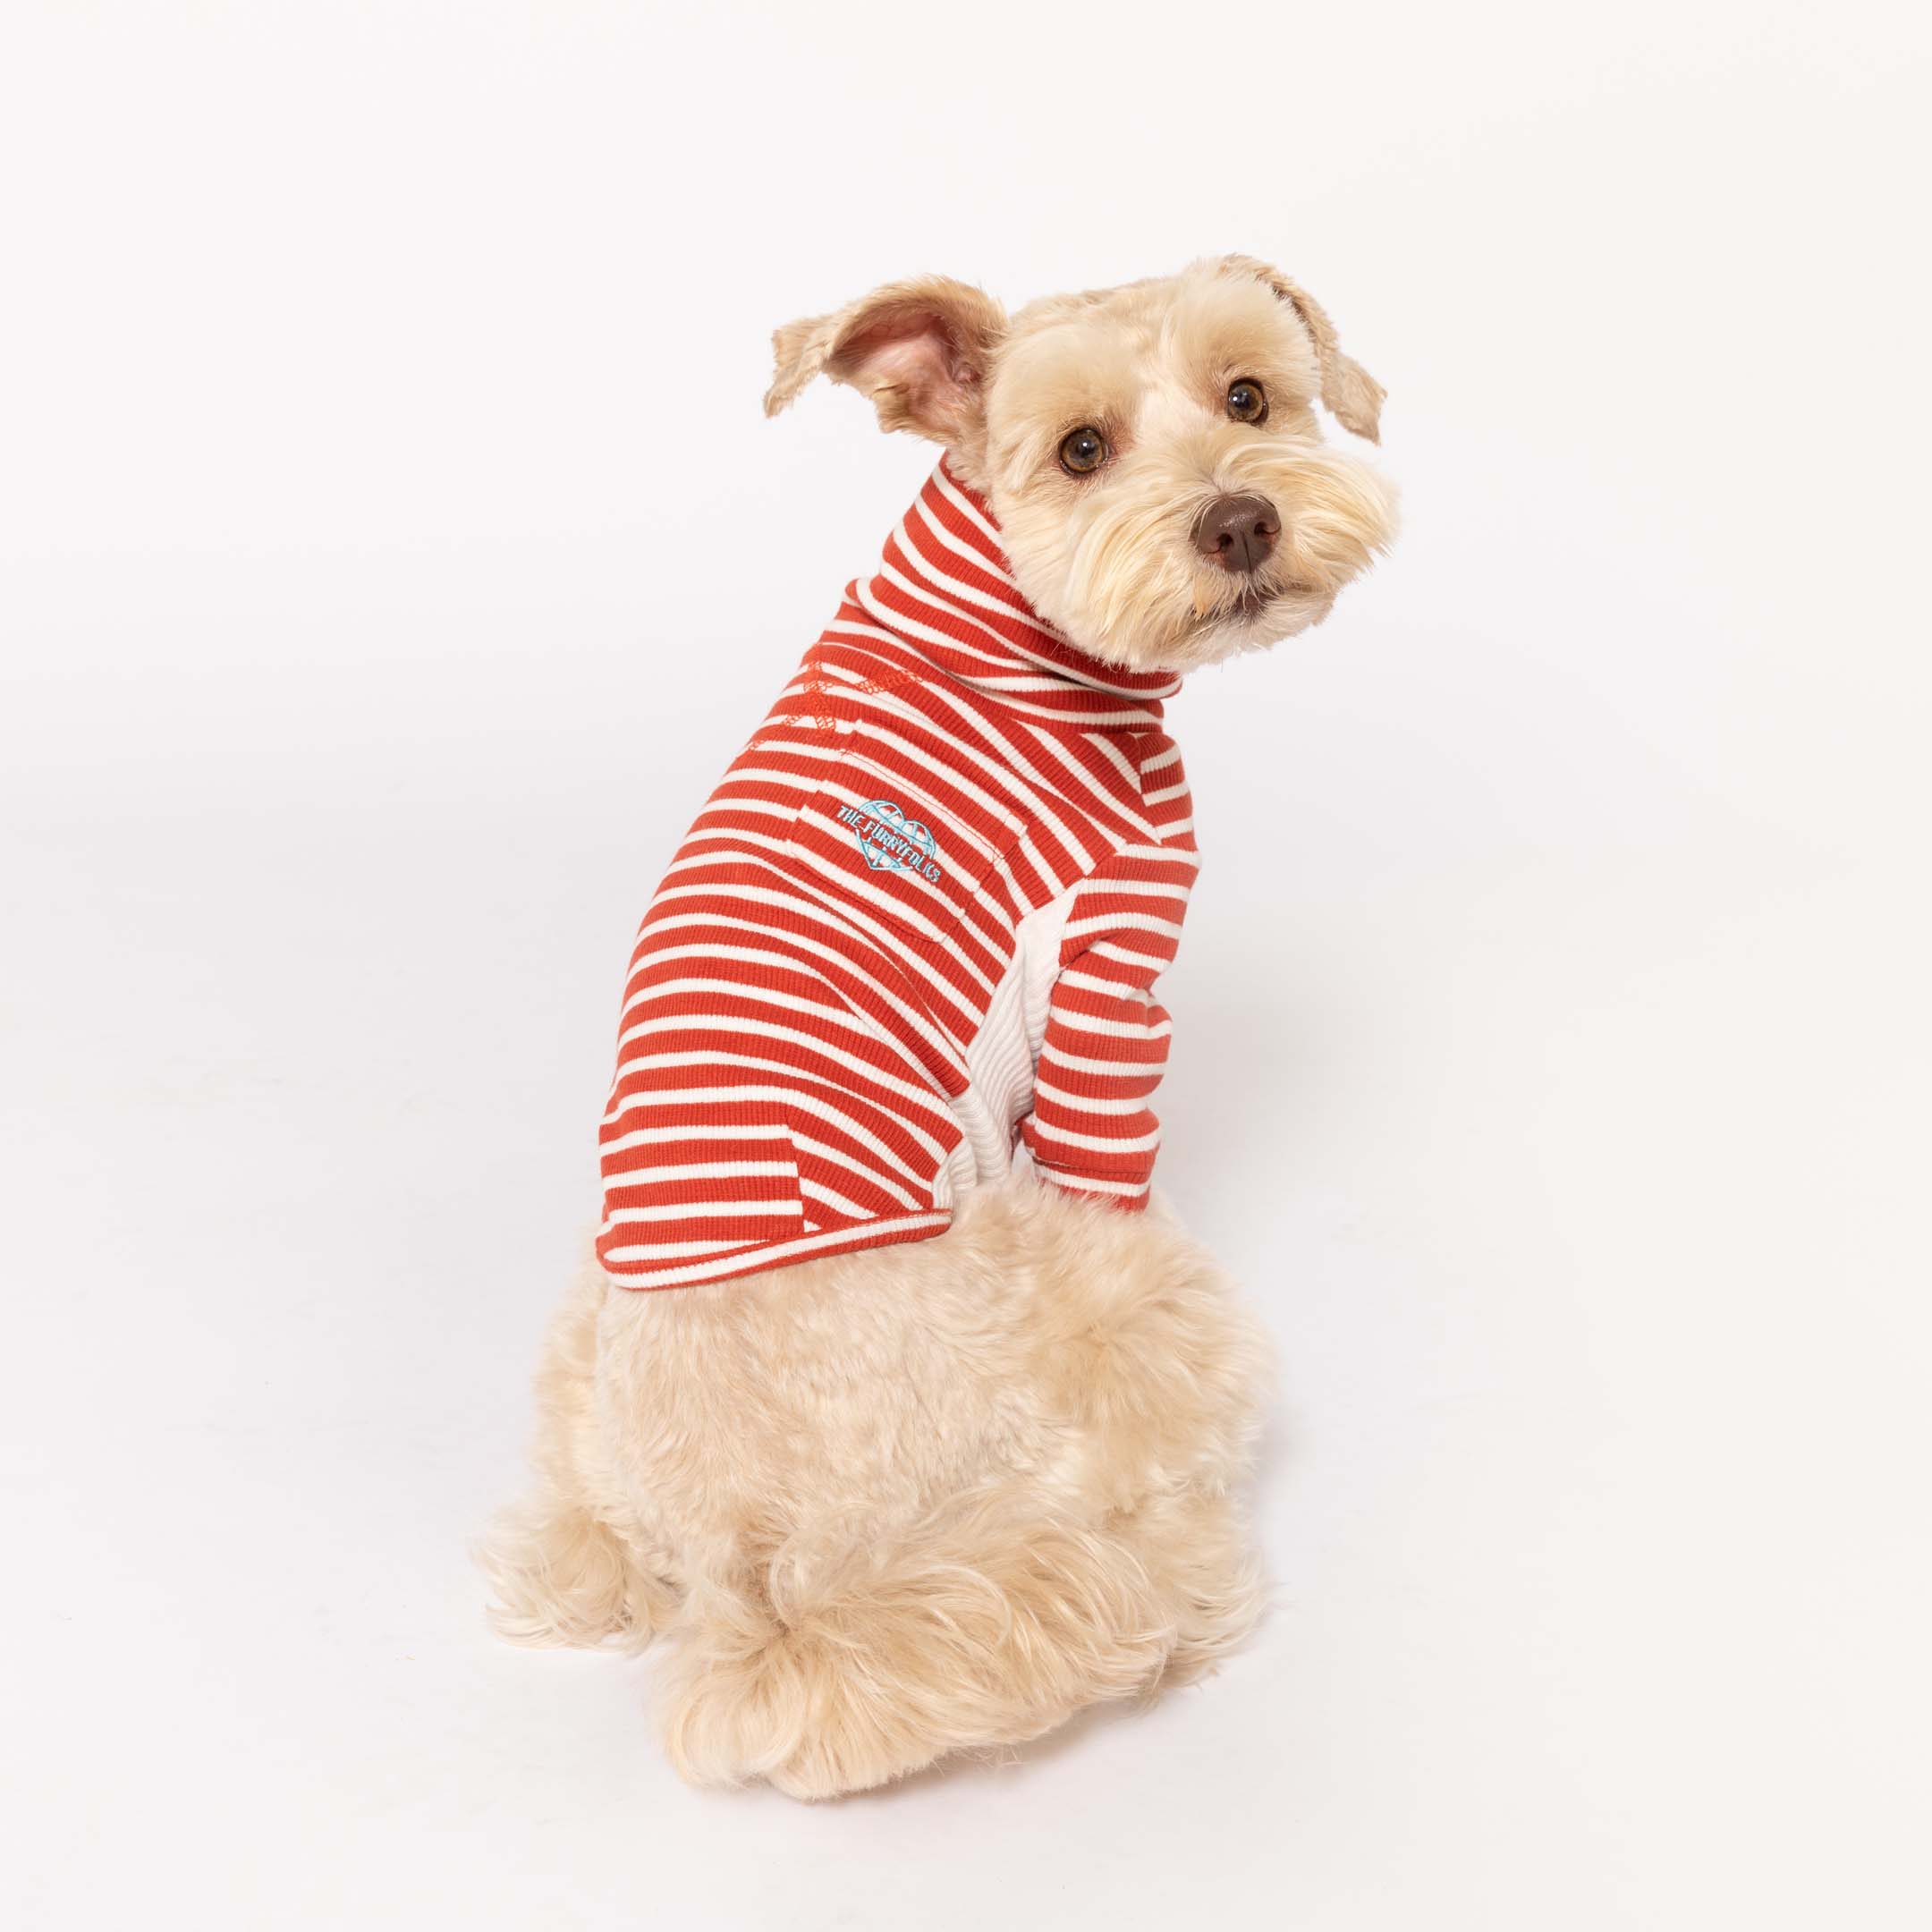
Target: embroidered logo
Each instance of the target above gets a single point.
(890, 841)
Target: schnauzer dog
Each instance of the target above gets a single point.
(889, 1400)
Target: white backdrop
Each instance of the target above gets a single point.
(391, 552)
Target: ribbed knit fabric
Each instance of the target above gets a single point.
(917, 922)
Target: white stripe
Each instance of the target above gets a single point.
(735, 1028)
(772, 1252)
(645, 1249)
(706, 1170)
(818, 1192)
(1153, 963)
(1087, 1102)
(1114, 922)
(1099, 1143)
(733, 808)
(1079, 1184)
(739, 836)
(691, 1096)
(654, 1136)
(784, 733)
(1102, 887)
(1158, 854)
(697, 1209)
(1054, 1055)
(1085, 982)
(761, 774)
(772, 1063)
(745, 989)
(1139, 1030)
(1114, 755)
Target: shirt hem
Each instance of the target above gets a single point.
(754, 1260)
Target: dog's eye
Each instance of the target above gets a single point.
(1083, 452)
(1247, 401)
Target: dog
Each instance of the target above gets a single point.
(894, 1400)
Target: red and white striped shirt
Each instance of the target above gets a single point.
(917, 924)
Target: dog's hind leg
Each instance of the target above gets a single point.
(846, 1661)
(842, 1662)
(567, 1563)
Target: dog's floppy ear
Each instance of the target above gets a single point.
(919, 348)
(1353, 396)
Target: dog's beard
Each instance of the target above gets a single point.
(1126, 583)
(1256, 617)
(1148, 599)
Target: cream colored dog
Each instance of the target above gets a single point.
(939, 1494)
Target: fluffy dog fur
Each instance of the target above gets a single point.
(940, 1495)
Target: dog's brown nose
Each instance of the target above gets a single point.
(1237, 532)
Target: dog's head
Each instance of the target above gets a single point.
(1151, 451)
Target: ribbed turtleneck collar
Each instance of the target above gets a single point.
(945, 590)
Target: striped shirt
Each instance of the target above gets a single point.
(916, 928)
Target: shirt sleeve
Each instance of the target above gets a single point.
(1093, 1130)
